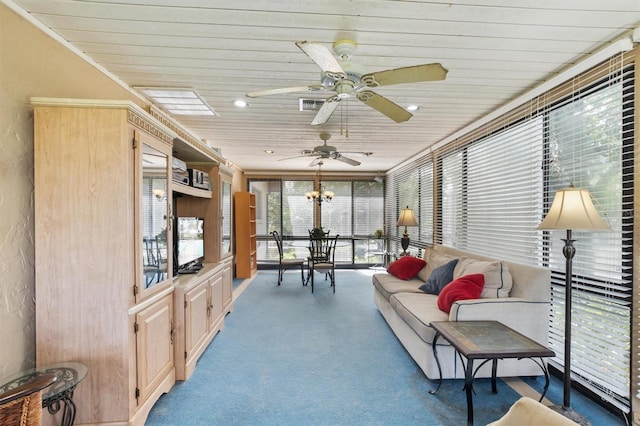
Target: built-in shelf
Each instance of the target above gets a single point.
(189, 190)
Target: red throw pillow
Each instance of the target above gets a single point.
(466, 287)
(406, 267)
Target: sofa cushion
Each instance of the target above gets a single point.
(463, 288)
(406, 267)
(497, 279)
(423, 274)
(418, 310)
(434, 260)
(440, 277)
(387, 284)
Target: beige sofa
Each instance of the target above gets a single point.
(409, 311)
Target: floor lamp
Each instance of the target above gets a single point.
(406, 218)
(572, 209)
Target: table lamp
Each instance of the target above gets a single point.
(406, 218)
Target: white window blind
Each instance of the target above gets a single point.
(590, 143)
(494, 188)
(356, 210)
(492, 193)
(410, 186)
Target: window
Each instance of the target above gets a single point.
(492, 193)
(411, 186)
(355, 212)
(590, 143)
(493, 187)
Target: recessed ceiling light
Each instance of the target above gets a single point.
(268, 151)
(413, 107)
(240, 103)
(178, 101)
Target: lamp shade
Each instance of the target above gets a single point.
(407, 218)
(572, 208)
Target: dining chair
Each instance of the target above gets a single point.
(322, 259)
(22, 405)
(286, 263)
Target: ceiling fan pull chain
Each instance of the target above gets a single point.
(346, 119)
(341, 118)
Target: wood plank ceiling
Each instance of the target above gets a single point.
(495, 51)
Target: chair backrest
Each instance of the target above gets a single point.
(22, 405)
(278, 239)
(323, 249)
(150, 253)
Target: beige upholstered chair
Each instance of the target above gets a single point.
(529, 412)
(22, 405)
(284, 264)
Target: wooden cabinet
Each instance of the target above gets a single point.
(97, 302)
(104, 251)
(245, 225)
(201, 303)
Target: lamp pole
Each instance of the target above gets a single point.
(568, 251)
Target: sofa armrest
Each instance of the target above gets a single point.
(523, 315)
(529, 412)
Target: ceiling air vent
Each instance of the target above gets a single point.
(310, 104)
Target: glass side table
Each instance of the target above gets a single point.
(60, 393)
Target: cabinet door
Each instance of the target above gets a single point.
(216, 301)
(154, 345)
(153, 201)
(225, 218)
(196, 318)
(227, 287)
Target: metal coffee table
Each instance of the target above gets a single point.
(488, 341)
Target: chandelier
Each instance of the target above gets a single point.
(319, 195)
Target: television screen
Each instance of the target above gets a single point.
(190, 235)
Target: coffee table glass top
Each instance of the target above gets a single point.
(489, 339)
(68, 374)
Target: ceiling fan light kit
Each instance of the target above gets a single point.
(347, 80)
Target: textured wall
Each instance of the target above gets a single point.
(31, 64)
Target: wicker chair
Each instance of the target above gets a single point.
(22, 405)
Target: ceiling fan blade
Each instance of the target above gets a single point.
(321, 56)
(315, 162)
(356, 153)
(413, 74)
(326, 110)
(344, 159)
(384, 105)
(291, 158)
(309, 88)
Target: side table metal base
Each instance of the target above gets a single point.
(64, 401)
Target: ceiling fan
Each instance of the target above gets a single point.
(347, 79)
(324, 152)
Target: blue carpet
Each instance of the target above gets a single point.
(289, 357)
(236, 282)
